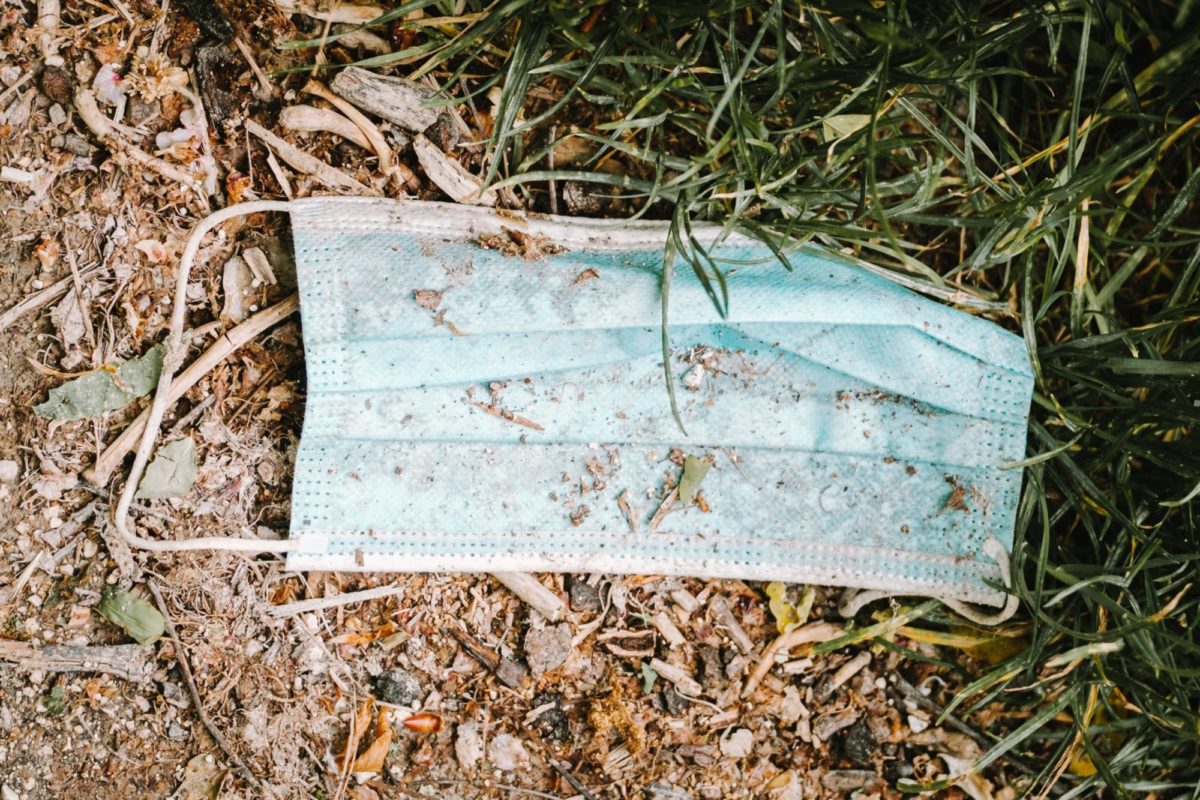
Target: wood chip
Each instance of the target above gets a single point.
(724, 617)
(662, 621)
(128, 661)
(684, 682)
(450, 176)
(531, 590)
(398, 100)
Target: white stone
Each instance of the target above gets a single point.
(507, 752)
(468, 744)
(737, 744)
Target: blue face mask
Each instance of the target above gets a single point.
(485, 393)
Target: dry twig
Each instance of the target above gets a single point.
(186, 669)
(130, 662)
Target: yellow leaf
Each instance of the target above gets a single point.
(1081, 764)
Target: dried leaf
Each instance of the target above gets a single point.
(202, 779)
(842, 125)
(137, 616)
(373, 757)
(788, 616)
(171, 473)
(694, 470)
(102, 390)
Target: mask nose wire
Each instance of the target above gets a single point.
(172, 360)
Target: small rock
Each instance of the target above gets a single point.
(584, 596)
(711, 670)
(846, 780)
(468, 744)
(398, 687)
(9, 470)
(52, 485)
(693, 379)
(507, 752)
(791, 708)
(58, 85)
(674, 703)
(858, 743)
(57, 115)
(917, 724)
(552, 723)
(73, 144)
(511, 673)
(897, 770)
(547, 648)
(737, 744)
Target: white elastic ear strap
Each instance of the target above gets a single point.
(172, 359)
(853, 600)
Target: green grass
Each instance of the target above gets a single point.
(1042, 158)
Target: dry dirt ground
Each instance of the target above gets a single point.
(452, 687)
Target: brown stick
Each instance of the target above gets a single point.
(127, 661)
(186, 669)
(112, 456)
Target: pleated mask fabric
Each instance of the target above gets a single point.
(486, 393)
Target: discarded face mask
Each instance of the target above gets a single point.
(486, 393)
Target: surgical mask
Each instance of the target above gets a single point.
(486, 393)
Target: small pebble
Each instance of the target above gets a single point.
(858, 743)
(584, 597)
(57, 115)
(468, 744)
(398, 687)
(675, 704)
(737, 744)
(547, 648)
(9, 470)
(552, 723)
(507, 752)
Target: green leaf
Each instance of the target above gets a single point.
(649, 676)
(102, 390)
(137, 616)
(840, 126)
(694, 470)
(171, 473)
(55, 702)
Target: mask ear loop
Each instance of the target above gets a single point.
(171, 362)
(853, 600)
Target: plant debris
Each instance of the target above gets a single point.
(135, 615)
(171, 473)
(106, 389)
